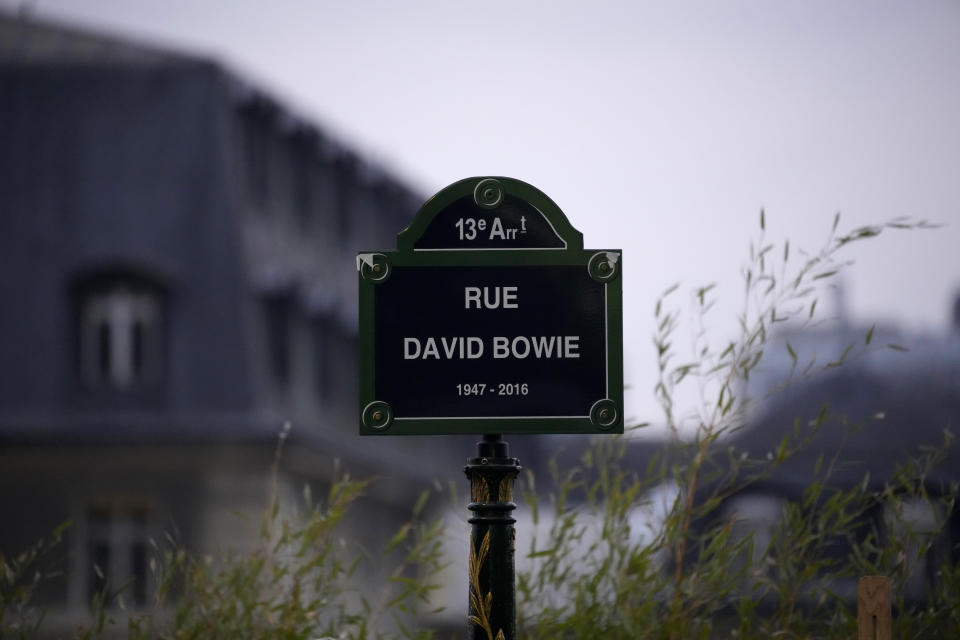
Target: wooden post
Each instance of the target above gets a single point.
(874, 617)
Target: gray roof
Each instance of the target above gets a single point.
(121, 156)
(874, 418)
(24, 40)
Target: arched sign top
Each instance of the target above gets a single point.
(490, 214)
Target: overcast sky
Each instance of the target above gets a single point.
(659, 128)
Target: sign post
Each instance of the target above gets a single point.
(490, 318)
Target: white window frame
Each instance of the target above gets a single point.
(123, 310)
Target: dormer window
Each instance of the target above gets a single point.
(120, 334)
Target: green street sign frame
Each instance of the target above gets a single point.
(484, 257)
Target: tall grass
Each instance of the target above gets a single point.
(698, 571)
(616, 551)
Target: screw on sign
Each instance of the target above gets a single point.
(490, 318)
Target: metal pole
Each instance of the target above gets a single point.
(492, 582)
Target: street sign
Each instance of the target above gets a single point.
(490, 317)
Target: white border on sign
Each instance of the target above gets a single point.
(606, 376)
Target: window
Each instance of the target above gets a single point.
(755, 519)
(303, 177)
(277, 308)
(256, 148)
(921, 528)
(116, 553)
(120, 335)
(323, 356)
(344, 175)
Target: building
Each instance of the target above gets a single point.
(857, 402)
(178, 283)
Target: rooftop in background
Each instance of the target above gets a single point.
(880, 397)
(24, 40)
(131, 158)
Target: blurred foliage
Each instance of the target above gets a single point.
(300, 581)
(652, 552)
(607, 567)
(20, 576)
(616, 551)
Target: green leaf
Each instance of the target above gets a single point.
(818, 464)
(421, 502)
(867, 232)
(703, 291)
(793, 354)
(821, 416)
(782, 450)
(398, 537)
(727, 351)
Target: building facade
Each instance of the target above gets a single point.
(178, 284)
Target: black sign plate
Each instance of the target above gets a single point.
(490, 318)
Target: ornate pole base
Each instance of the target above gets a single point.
(492, 612)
